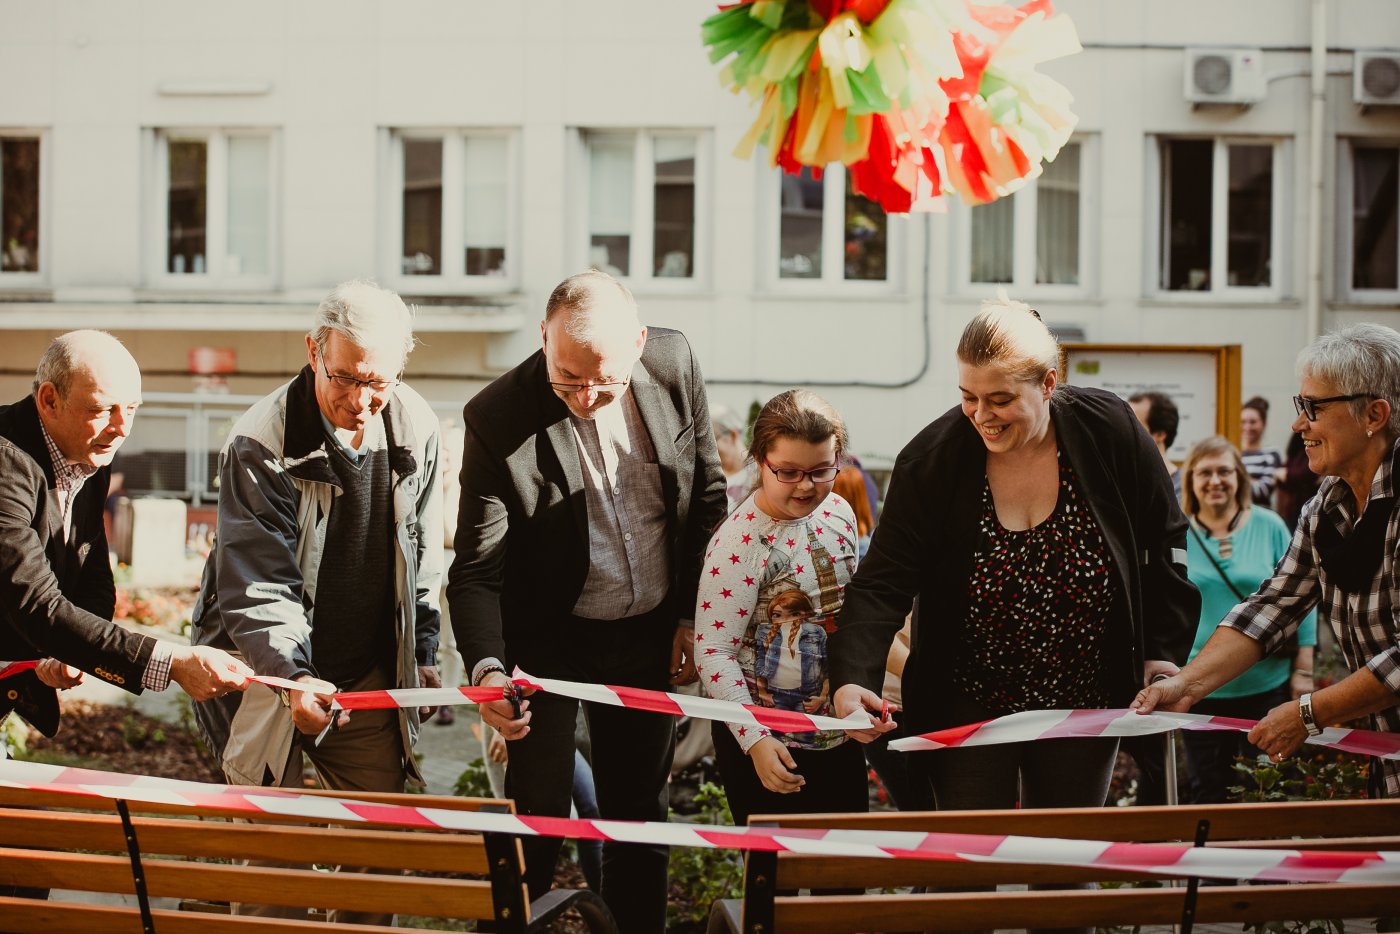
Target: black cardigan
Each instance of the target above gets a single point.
(924, 547)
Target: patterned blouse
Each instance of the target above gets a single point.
(1038, 606)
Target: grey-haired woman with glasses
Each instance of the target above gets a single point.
(1342, 558)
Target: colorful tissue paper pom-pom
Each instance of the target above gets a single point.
(916, 97)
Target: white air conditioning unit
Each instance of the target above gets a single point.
(1225, 76)
(1376, 79)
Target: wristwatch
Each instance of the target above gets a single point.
(1305, 712)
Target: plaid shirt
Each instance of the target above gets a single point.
(68, 482)
(68, 479)
(1365, 624)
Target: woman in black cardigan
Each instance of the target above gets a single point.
(1036, 526)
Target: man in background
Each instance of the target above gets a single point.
(1159, 415)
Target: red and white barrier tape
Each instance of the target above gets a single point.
(1013, 728)
(700, 708)
(14, 668)
(396, 697)
(679, 705)
(1362, 867)
(1060, 724)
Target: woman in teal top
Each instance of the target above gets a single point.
(1233, 548)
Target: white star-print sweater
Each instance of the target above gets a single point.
(759, 570)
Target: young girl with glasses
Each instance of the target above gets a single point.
(773, 580)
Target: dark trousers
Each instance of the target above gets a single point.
(1210, 754)
(1048, 773)
(631, 756)
(836, 780)
(1150, 755)
(907, 792)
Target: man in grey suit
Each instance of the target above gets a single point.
(57, 595)
(590, 486)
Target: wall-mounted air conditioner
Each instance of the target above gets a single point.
(1376, 79)
(1225, 76)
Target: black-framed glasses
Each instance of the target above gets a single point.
(1308, 407)
(570, 389)
(352, 384)
(793, 475)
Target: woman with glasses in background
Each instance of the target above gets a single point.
(769, 591)
(1233, 546)
(1342, 558)
(1037, 527)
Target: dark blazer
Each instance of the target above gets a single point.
(925, 543)
(57, 596)
(522, 528)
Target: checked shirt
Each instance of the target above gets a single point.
(1365, 624)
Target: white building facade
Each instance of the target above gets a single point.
(198, 176)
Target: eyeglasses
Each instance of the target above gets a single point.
(1308, 407)
(793, 475)
(570, 389)
(351, 384)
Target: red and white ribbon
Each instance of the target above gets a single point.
(679, 705)
(1062, 724)
(14, 668)
(1173, 860)
(700, 708)
(395, 697)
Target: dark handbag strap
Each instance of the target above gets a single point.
(1191, 524)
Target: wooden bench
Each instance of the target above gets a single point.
(771, 880)
(78, 847)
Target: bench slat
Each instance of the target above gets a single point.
(27, 916)
(1227, 821)
(451, 898)
(827, 872)
(23, 797)
(1229, 904)
(440, 852)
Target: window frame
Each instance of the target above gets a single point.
(1345, 234)
(1280, 288)
(642, 239)
(1025, 213)
(453, 281)
(833, 243)
(40, 276)
(215, 276)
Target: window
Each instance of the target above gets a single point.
(1370, 260)
(1036, 237)
(828, 233)
(175, 452)
(19, 205)
(641, 219)
(1219, 226)
(454, 223)
(215, 207)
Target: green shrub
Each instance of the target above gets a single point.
(14, 733)
(704, 874)
(473, 783)
(1319, 778)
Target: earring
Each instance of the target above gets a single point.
(1369, 432)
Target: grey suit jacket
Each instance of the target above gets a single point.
(522, 527)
